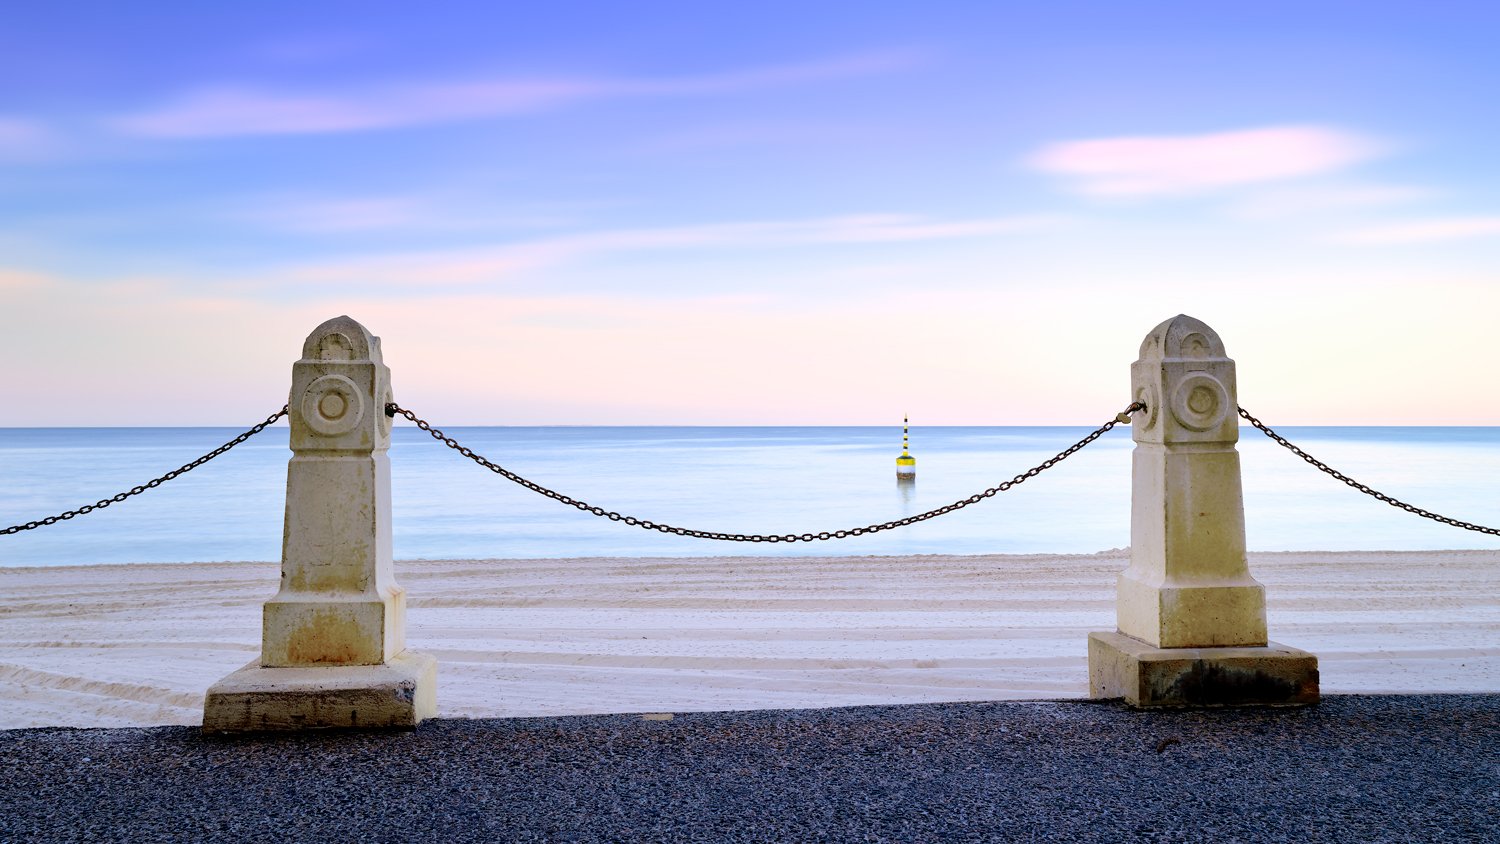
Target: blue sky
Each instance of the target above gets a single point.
(647, 213)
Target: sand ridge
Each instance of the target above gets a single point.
(97, 646)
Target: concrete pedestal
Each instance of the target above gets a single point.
(395, 695)
(1124, 667)
(1191, 619)
(333, 645)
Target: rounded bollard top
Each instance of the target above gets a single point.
(1187, 385)
(341, 339)
(340, 389)
(1182, 337)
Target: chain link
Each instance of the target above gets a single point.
(1377, 495)
(393, 409)
(151, 484)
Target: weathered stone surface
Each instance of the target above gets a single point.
(1188, 584)
(339, 606)
(339, 603)
(1275, 675)
(397, 694)
(1192, 621)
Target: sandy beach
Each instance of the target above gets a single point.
(137, 645)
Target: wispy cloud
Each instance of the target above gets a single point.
(1426, 231)
(226, 111)
(758, 133)
(449, 212)
(1185, 164)
(15, 280)
(864, 228)
(471, 266)
(310, 215)
(1281, 202)
(842, 67)
(23, 139)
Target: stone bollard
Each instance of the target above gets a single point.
(1192, 621)
(333, 640)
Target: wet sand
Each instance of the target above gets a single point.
(112, 646)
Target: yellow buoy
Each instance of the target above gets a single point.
(906, 465)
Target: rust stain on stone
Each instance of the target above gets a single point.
(326, 638)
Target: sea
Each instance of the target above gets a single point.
(726, 479)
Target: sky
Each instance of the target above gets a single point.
(748, 213)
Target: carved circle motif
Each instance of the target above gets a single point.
(332, 405)
(1146, 394)
(1200, 402)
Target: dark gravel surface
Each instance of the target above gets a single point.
(1353, 769)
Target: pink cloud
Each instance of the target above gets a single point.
(1182, 164)
(234, 112)
(474, 266)
(237, 111)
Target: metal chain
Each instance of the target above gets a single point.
(151, 484)
(392, 409)
(1379, 496)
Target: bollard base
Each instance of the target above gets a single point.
(1121, 666)
(395, 695)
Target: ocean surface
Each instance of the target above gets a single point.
(736, 480)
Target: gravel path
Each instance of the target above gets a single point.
(1355, 768)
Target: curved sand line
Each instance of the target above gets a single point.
(97, 646)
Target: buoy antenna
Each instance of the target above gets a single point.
(906, 465)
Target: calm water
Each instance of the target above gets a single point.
(739, 480)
